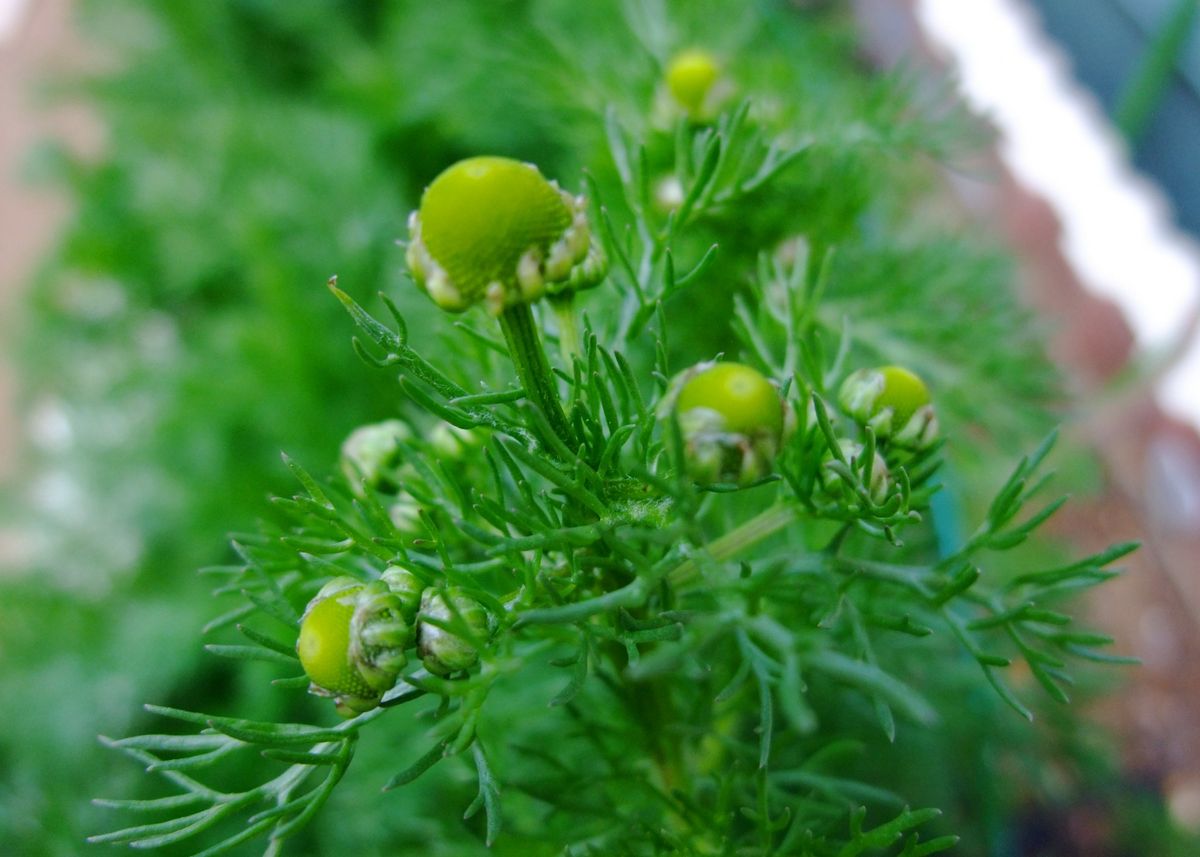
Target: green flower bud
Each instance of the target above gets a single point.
(690, 79)
(406, 586)
(444, 652)
(450, 441)
(835, 485)
(732, 419)
(352, 642)
(492, 230)
(894, 403)
(372, 453)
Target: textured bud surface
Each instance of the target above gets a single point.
(324, 645)
(443, 652)
(494, 230)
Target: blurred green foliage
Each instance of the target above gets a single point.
(181, 335)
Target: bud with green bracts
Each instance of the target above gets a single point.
(372, 454)
(835, 485)
(352, 642)
(494, 231)
(894, 403)
(406, 587)
(732, 420)
(443, 651)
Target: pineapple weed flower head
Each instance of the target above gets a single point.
(494, 231)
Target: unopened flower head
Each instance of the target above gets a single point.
(494, 231)
(894, 403)
(732, 419)
(352, 642)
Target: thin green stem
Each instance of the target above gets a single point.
(1144, 92)
(569, 344)
(737, 540)
(533, 369)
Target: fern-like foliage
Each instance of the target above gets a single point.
(671, 668)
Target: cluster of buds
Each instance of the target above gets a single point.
(732, 420)
(373, 458)
(354, 636)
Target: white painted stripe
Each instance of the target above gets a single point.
(1117, 229)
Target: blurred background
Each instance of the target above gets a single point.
(175, 181)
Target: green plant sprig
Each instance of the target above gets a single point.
(575, 525)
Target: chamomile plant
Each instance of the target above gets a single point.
(647, 599)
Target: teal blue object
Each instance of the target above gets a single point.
(945, 512)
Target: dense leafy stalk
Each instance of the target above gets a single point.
(670, 666)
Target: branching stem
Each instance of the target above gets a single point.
(737, 540)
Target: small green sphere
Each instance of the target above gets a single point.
(494, 231)
(894, 402)
(746, 400)
(481, 214)
(324, 645)
(903, 392)
(690, 77)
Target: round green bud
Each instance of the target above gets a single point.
(732, 419)
(371, 454)
(351, 644)
(690, 78)
(894, 403)
(406, 587)
(745, 400)
(835, 485)
(494, 231)
(442, 651)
